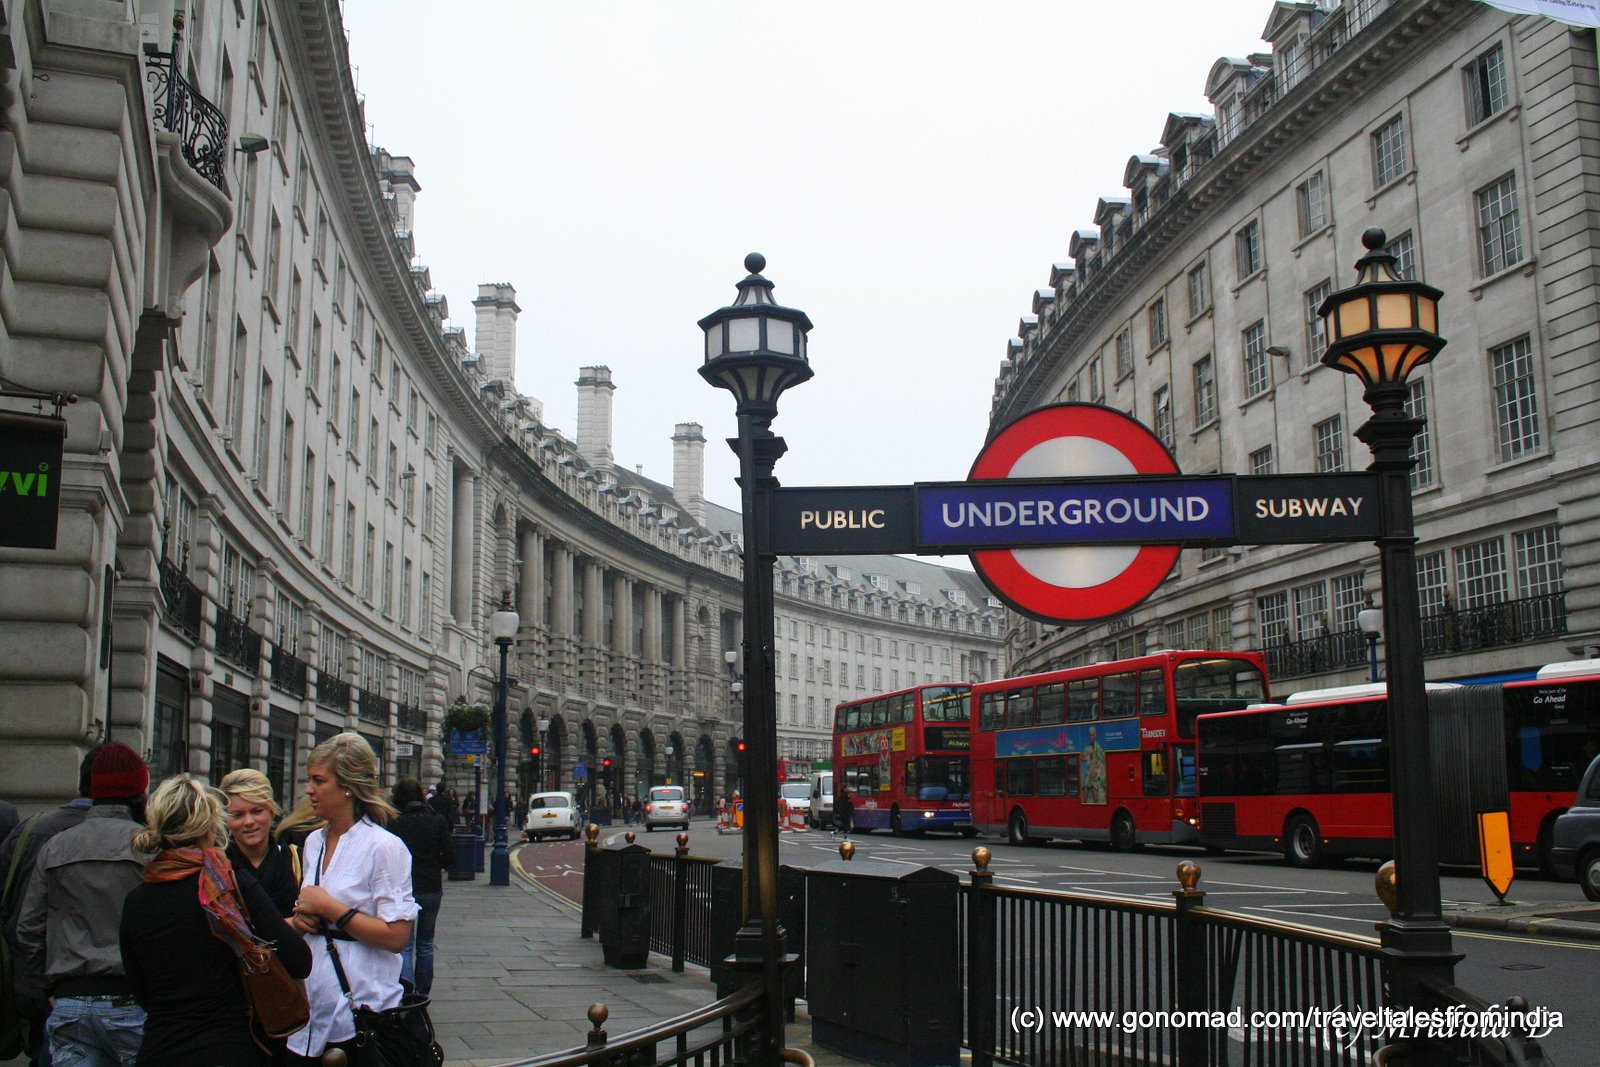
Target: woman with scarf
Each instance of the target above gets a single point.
(355, 904)
(185, 927)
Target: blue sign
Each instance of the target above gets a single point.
(1018, 513)
(1113, 735)
(580, 771)
(472, 743)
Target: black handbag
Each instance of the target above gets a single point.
(401, 1036)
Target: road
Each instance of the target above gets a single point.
(1557, 973)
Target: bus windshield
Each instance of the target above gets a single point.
(946, 703)
(1201, 686)
(795, 790)
(937, 778)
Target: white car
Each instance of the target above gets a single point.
(551, 814)
(667, 805)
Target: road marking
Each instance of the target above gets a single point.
(1582, 946)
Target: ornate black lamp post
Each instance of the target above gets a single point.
(1381, 329)
(503, 626)
(756, 349)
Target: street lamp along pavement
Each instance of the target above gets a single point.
(1381, 330)
(503, 626)
(756, 348)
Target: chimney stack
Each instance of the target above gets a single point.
(496, 336)
(689, 469)
(594, 415)
(398, 176)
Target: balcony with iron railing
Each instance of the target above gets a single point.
(333, 691)
(180, 109)
(372, 707)
(1445, 632)
(288, 672)
(181, 598)
(237, 642)
(411, 718)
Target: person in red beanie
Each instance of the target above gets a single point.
(70, 919)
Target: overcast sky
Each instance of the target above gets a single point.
(910, 171)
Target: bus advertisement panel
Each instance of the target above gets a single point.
(1103, 752)
(903, 757)
(1311, 777)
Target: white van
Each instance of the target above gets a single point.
(820, 817)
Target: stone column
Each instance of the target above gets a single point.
(463, 506)
(652, 670)
(561, 635)
(591, 657)
(622, 658)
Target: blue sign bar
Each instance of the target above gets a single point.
(1007, 514)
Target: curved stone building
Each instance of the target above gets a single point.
(293, 492)
(1472, 137)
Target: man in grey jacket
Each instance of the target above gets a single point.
(69, 921)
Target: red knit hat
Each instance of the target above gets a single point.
(118, 772)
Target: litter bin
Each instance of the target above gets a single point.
(869, 924)
(625, 923)
(462, 843)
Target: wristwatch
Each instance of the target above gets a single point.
(344, 919)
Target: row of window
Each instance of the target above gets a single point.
(811, 632)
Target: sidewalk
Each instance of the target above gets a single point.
(512, 978)
(1578, 921)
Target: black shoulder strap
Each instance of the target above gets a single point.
(16, 863)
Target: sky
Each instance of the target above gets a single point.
(909, 170)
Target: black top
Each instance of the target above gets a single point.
(427, 835)
(188, 980)
(276, 874)
(441, 803)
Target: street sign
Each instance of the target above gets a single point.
(580, 771)
(30, 478)
(977, 515)
(864, 520)
(1081, 583)
(471, 743)
(1307, 508)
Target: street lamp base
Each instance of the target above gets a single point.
(500, 866)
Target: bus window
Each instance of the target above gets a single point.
(1117, 693)
(1052, 703)
(992, 715)
(1152, 692)
(1360, 766)
(952, 706)
(1155, 774)
(1019, 707)
(905, 706)
(1296, 769)
(1019, 777)
(940, 778)
(850, 718)
(1203, 685)
(1073, 767)
(1183, 759)
(1083, 699)
(1051, 772)
(880, 713)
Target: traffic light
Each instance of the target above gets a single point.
(605, 772)
(536, 758)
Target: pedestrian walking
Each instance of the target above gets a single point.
(427, 838)
(443, 801)
(356, 890)
(71, 914)
(184, 928)
(22, 846)
(250, 812)
(844, 814)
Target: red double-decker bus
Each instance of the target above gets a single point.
(1311, 777)
(1103, 752)
(903, 756)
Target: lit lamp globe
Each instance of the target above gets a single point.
(756, 347)
(503, 624)
(1383, 327)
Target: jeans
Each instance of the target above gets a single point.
(416, 963)
(94, 1032)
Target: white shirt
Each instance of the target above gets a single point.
(371, 872)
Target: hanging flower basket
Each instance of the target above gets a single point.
(465, 718)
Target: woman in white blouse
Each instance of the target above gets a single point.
(356, 888)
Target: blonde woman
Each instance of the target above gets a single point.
(251, 809)
(184, 928)
(355, 891)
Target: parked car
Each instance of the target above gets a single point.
(666, 806)
(820, 814)
(551, 814)
(1575, 842)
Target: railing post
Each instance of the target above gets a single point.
(680, 902)
(980, 961)
(590, 922)
(1189, 946)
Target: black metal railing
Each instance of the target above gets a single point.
(179, 108)
(181, 598)
(410, 717)
(1330, 652)
(372, 707)
(1509, 622)
(680, 908)
(288, 672)
(332, 691)
(237, 642)
(719, 1033)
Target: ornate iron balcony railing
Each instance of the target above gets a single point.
(179, 108)
(236, 642)
(412, 718)
(181, 598)
(288, 672)
(372, 707)
(332, 691)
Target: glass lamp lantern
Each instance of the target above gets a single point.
(503, 624)
(756, 347)
(1383, 327)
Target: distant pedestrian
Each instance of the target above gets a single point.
(427, 836)
(443, 801)
(69, 921)
(844, 814)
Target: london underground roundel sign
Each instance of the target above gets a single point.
(1083, 583)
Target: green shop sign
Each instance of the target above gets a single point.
(30, 482)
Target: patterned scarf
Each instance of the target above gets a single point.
(219, 894)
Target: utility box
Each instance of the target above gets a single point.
(884, 976)
(625, 921)
(727, 907)
(462, 845)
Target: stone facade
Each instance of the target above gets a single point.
(1472, 137)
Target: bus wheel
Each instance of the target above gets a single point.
(1123, 839)
(1302, 845)
(1017, 831)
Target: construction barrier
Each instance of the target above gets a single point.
(797, 819)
